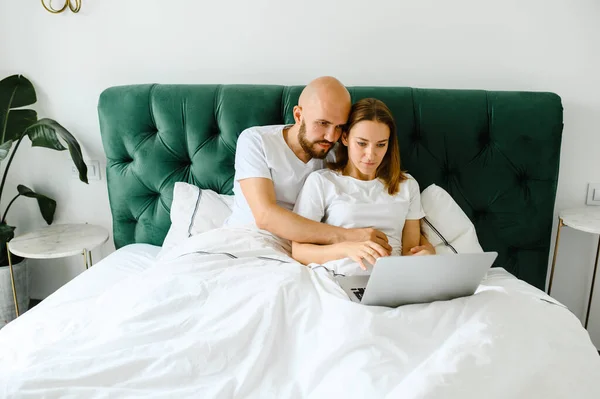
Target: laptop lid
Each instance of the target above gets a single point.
(401, 280)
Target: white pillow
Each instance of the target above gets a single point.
(445, 216)
(195, 211)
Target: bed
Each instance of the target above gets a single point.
(225, 315)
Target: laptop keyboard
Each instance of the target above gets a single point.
(359, 292)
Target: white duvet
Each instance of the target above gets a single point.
(252, 323)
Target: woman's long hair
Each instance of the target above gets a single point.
(389, 171)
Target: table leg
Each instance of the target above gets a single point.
(560, 225)
(12, 280)
(85, 258)
(587, 316)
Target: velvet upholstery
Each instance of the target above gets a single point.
(497, 154)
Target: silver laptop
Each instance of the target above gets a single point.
(402, 280)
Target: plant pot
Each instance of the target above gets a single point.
(7, 303)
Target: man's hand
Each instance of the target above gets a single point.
(366, 250)
(369, 234)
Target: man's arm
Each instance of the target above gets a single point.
(357, 251)
(312, 253)
(260, 195)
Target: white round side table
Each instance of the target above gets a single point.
(56, 241)
(586, 219)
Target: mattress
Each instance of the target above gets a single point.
(223, 315)
(121, 264)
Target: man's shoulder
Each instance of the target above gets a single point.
(261, 132)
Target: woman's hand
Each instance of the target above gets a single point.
(420, 250)
(365, 250)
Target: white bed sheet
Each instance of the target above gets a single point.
(121, 264)
(225, 316)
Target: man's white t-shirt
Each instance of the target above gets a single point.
(262, 152)
(335, 199)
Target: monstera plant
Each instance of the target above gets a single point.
(17, 124)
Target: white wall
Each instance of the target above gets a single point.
(549, 45)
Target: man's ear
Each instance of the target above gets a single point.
(297, 113)
(345, 138)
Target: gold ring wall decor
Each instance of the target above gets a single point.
(73, 5)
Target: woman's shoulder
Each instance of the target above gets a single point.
(410, 183)
(316, 177)
(325, 178)
(410, 178)
(325, 173)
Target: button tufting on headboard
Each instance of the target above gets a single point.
(485, 139)
(496, 153)
(480, 214)
(415, 137)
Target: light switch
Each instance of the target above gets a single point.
(93, 170)
(593, 194)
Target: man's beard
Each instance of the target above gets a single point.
(308, 146)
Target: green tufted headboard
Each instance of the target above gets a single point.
(497, 153)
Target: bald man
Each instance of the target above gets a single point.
(272, 163)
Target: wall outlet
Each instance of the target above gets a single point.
(93, 172)
(593, 194)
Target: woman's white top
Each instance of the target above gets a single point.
(330, 197)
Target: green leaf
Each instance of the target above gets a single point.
(4, 149)
(7, 233)
(18, 121)
(47, 205)
(20, 89)
(15, 91)
(46, 133)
